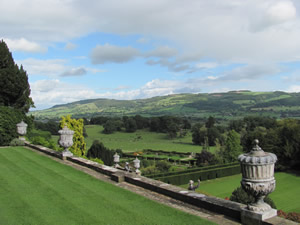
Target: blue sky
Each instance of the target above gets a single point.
(131, 49)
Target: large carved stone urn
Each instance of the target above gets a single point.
(22, 130)
(258, 176)
(116, 160)
(66, 140)
(136, 163)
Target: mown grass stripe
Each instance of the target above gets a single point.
(44, 191)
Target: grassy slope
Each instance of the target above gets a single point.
(285, 195)
(221, 105)
(150, 140)
(37, 190)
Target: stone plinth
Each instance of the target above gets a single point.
(250, 217)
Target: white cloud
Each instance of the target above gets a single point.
(250, 72)
(222, 30)
(24, 45)
(46, 93)
(70, 46)
(162, 52)
(54, 68)
(207, 65)
(274, 13)
(294, 88)
(113, 54)
(49, 67)
(74, 72)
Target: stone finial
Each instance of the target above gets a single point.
(256, 147)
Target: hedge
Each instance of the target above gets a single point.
(202, 175)
(155, 176)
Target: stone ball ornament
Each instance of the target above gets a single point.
(258, 176)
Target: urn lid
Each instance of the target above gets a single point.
(65, 131)
(257, 156)
(22, 124)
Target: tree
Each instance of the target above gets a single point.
(233, 147)
(210, 122)
(14, 86)
(172, 130)
(205, 158)
(130, 125)
(98, 150)
(79, 146)
(9, 117)
(199, 134)
(109, 127)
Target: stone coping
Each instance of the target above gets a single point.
(221, 206)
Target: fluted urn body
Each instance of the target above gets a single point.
(258, 176)
(66, 140)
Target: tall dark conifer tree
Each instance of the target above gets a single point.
(14, 86)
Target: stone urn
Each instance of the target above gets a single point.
(258, 176)
(137, 165)
(22, 130)
(66, 140)
(116, 160)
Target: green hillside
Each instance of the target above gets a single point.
(220, 105)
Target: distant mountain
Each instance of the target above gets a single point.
(228, 105)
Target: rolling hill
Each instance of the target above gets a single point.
(228, 105)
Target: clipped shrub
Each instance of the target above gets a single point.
(163, 166)
(149, 170)
(9, 118)
(40, 140)
(98, 150)
(17, 142)
(208, 174)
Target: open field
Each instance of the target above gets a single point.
(285, 195)
(130, 142)
(37, 190)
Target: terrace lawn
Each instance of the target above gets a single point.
(130, 142)
(285, 195)
(38, 190)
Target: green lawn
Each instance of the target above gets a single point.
(285, 195)
(130, 142)
(35, 189)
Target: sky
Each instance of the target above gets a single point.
(133, 49)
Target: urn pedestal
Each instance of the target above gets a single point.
(258, 181)
(66, 141)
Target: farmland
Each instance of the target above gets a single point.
(225, 106)
(142, 139)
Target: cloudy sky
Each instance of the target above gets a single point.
(131, 49)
